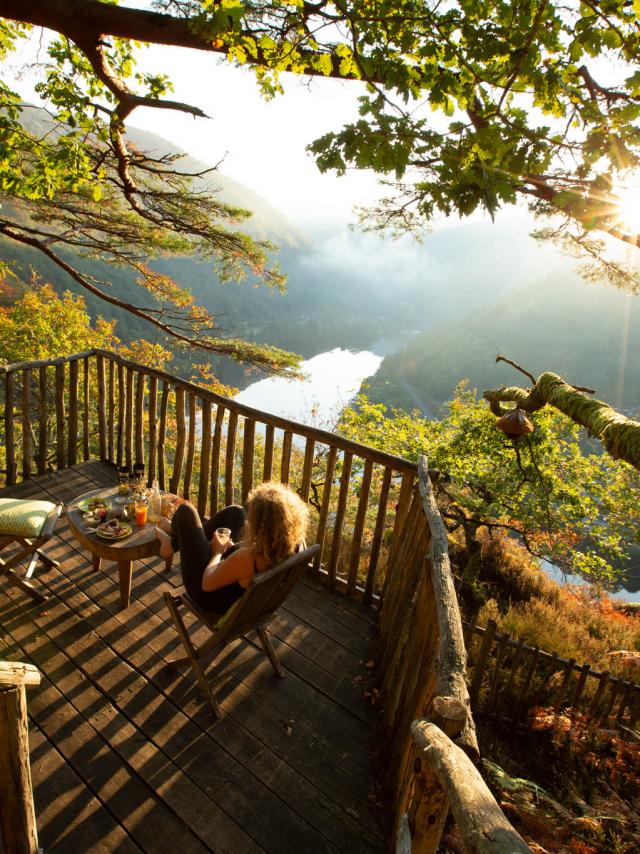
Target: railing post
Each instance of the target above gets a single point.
(8, 427)
(61, 454)
(27, 448)
(17, 814)
(102, 409)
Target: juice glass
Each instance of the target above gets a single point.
(142, 508)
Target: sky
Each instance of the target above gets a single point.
(263, 143)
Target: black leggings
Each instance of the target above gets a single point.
(192, 538)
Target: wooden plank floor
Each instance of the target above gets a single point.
(126, 756)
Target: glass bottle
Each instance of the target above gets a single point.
(155, 502)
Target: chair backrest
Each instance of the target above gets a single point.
(267, 591)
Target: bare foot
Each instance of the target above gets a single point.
(166, 551)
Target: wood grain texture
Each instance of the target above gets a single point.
(191, 448)
(126, 750)
(9, 436)
(162, 433)
(122, 408)
(230, 459)
(205, 458)
(61, 455)
(17, 816)
(480, 821)
(214, 496)
(72, 445)
(153, 428)
(285, 459)
(336, 540)
(248, 454)
(139, 430)
(378, 532)
(102, 406)
(111, 410)
(129, 375)
(86, 408)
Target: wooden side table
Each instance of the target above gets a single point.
(142, 543)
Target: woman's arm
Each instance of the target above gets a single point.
(218, 573)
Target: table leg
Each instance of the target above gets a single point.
(125, 570)
(95, 560)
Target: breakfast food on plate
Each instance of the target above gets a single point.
(94, 504)
(113, 529)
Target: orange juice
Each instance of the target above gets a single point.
(141, 513)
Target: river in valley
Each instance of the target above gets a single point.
(332, 380)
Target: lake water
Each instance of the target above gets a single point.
(627, 590)
(332, 380)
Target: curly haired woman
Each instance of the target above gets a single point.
(216, 572)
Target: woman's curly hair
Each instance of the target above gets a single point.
(278, 520)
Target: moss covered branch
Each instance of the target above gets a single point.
(619, 435)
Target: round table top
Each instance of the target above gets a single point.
(142, 542)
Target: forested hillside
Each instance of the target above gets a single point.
(557, 323)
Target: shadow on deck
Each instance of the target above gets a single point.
(125, 753)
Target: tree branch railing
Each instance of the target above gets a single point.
(207, 448)
(425, 697)
(17, 814)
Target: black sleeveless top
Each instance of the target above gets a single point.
(217, 601)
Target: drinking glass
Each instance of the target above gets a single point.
(224, 535)
(142, 509)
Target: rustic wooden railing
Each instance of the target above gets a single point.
(425, 698)
(509, 677)
(207, 448)
(17, 814)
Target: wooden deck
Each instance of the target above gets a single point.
(125, 754)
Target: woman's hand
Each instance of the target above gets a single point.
(219, 545)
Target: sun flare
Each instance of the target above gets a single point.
(628, 205)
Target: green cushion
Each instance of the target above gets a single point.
(24, 518)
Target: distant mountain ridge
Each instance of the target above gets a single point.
(266, 222)
(321, 310)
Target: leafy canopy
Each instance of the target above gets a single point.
(469, 104)
(71, 180)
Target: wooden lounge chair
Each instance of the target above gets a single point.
(266, 592)
(30, 523)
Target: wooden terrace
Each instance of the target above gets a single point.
(125, 753)
(126, 756)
